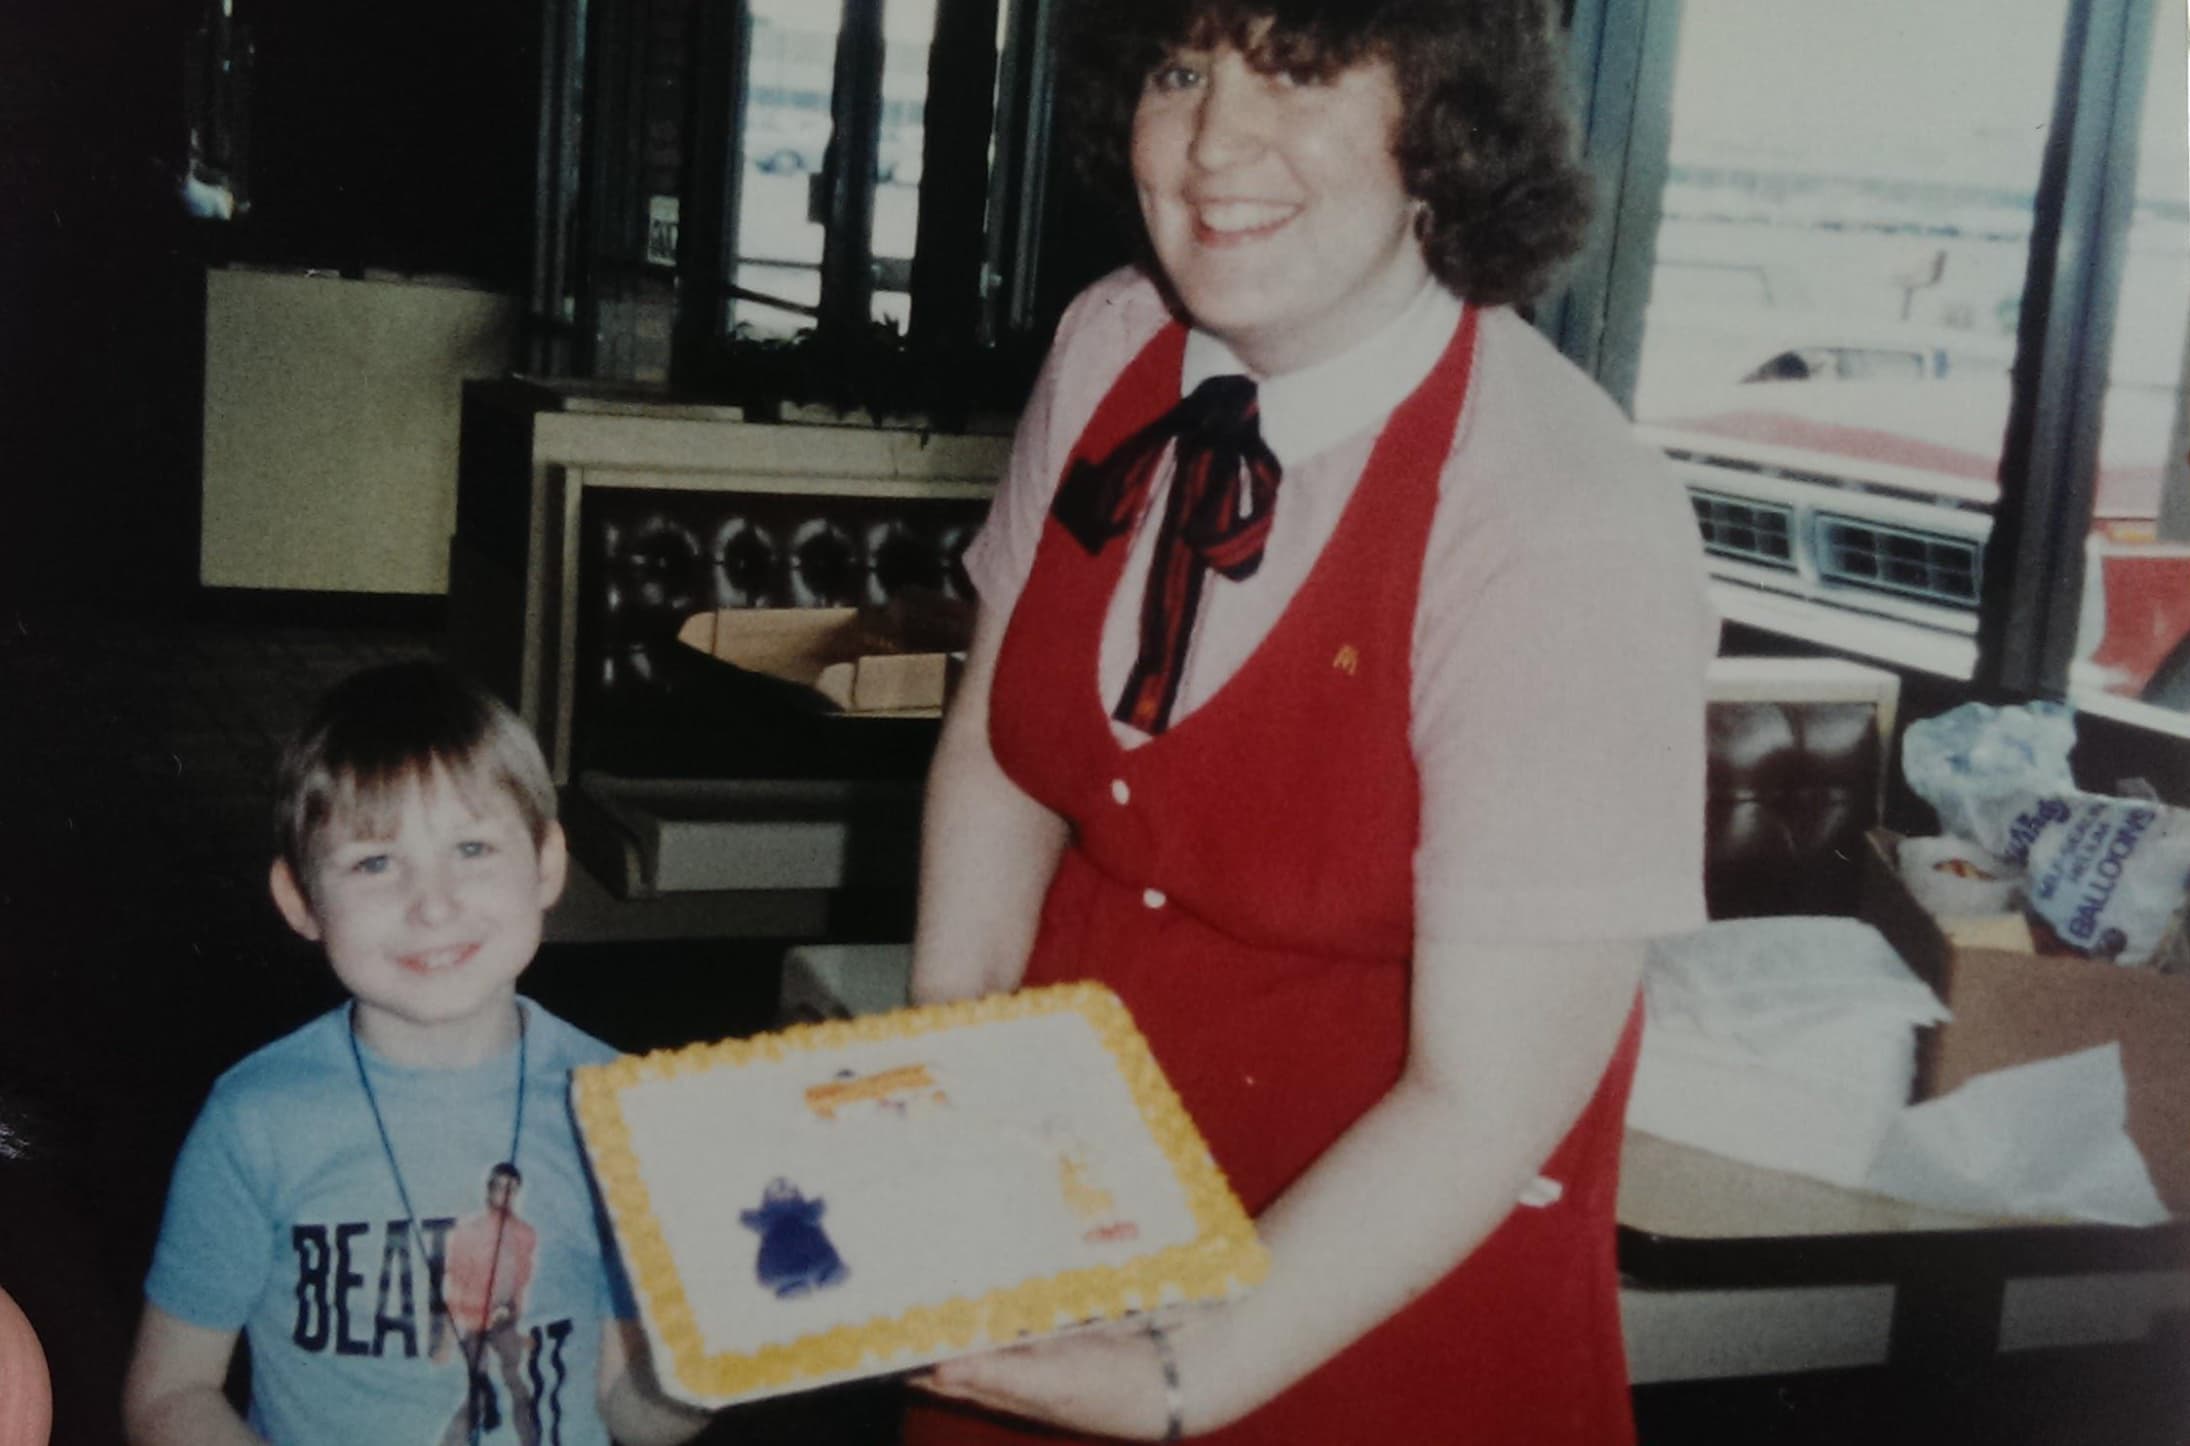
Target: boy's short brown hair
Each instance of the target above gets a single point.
(380, 731)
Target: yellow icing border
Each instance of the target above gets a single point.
(1224, 1256)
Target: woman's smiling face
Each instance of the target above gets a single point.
(1274, 203)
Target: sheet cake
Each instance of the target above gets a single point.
(866, 1196)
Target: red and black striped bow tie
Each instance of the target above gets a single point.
(1217, 516)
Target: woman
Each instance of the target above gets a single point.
(1335, 697)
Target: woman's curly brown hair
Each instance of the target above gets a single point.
(1483, 140)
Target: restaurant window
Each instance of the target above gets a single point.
(784, 137)
(750, 172)
(2134, 635)
(1871, 275)
(1832, 299)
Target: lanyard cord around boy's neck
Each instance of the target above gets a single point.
(474, 1352)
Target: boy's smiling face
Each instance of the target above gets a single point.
(429, 926)
(1275, 203)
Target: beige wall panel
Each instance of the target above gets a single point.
(330, 427)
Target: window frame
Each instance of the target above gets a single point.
(1623, 58)
(978, 241)
(2031, 598)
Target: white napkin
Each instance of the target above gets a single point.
(1818, 1108)
(2045, 1139)
(1781, 1042)
(1764, 982)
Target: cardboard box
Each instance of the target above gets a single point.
(899, 659)
(2012, 1007)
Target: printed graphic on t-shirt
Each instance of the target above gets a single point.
(462, 1305)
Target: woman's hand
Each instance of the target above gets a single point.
(987, 850)
(631, 1399)
(1107, 1381)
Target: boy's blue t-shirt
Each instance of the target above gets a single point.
(284, 1220)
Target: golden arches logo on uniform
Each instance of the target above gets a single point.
(1347, 660)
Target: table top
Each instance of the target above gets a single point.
(1692, 1218)
(1678, 1190)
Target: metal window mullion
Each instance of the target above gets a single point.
(855, 103)
(611, 215)
(2032, 591)
(560, 119)
(958, 118)
(1019, 181)
(709, 190)
(1569, 315)
(1621, 58)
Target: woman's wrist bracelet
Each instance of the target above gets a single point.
(1174, 1400)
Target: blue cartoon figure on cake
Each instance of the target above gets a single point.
(795, 1254)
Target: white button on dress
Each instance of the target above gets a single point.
(1153, 898)
(1119, 793)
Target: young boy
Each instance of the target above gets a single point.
(390, 1203)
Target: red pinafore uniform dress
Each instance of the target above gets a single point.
(1244, 881)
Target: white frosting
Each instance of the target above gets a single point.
(1035, 1160)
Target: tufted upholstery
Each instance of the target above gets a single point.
(1797, 750)
(1792, 788)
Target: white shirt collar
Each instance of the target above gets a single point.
(1305, 411)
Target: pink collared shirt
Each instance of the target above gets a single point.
(1561, 636)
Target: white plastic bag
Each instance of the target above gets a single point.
(2107, 875)
(1981, 767)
